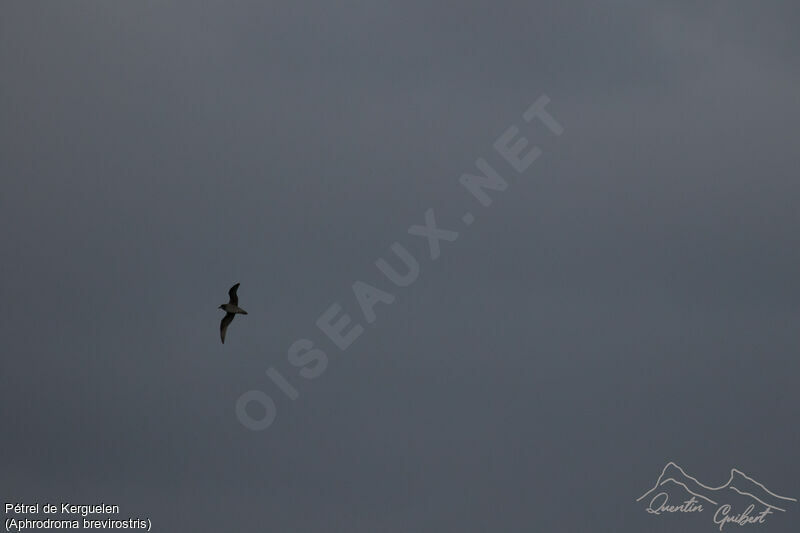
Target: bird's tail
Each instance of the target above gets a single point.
(242, 312)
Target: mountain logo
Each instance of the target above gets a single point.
(741, 500)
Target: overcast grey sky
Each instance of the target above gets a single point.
(632, 299)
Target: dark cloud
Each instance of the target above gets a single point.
(631, 300)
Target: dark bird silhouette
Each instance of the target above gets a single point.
(231, 310)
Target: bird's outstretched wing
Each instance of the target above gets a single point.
(232, 294)
(223, 326)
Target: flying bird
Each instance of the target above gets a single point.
(231, 310)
